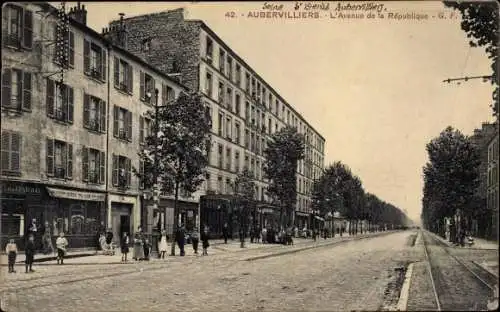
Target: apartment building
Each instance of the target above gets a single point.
(73, 121)
(493, 184)
(245, 109)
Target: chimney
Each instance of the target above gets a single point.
(79, 14)
(122, 32)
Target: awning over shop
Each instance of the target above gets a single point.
(319, 218)
(76, 195)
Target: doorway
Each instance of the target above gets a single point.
(121, 222)
(124, 225)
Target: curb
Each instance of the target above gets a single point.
(485, 269)
(313, 247)
(405, 290)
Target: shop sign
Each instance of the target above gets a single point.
(20, 188)
(76, 195)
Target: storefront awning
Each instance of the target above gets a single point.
(76, 195)
(319, 218)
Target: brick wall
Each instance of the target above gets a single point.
(174, 43)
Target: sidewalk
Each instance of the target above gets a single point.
(479, 243)
(49, 257)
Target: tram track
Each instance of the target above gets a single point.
(456, 285)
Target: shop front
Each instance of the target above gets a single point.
(124, 216)
(20, 202)
(301, 220)
(269, 216)
(80, 215)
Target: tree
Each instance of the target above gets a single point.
(480, 23)
(284, 150)
(180, 146)
(451, 178)
(244, 185)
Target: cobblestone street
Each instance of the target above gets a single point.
(348, 276)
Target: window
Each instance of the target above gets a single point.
(122, 123)
(219, 184)
(167, 94)
(247, 110)
(263, 145)
(208, 114)
(221, 92)
(228, 159)
(270, 102)
(252, 167)
(147, 88)
(221, 123)
(222, 60)
(209, 49)
(237, 161)
(16, 90)
(228, 128)
(237, 77)
(229, 99)
(146, 45)
(94, 60)
(145, 125)
(253, 88)
(17, 27)
(258, 144)
(269, 125)
(258, 92)
(221, 155)
(11, 153)
(258, 169)
(93, 165)
(247, 138)
(59, 101)
(228, 186)
(247, 162)
(264, 98)
(94, 113)
(208, 84)
(263, 121)
(229, 67)
(252, 138)
(237, 130)
(59, 159)
(122, 171)
(247, 82)
(237, 104)
(123, 75)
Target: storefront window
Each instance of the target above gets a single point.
(12, 220)
(92, 219)
(77, 219)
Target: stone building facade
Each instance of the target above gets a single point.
(71, 127)
(493, 184)
(245, 109)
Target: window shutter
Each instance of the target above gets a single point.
(102, 124)
(70, 99)
(15, 151)
(115, 121)
(19, 91)
(50, 98)
(142, 91)
(129, 172)
(86, 110)
(50, 157)
(153, 93)
(6, 150)
(86, 56)
(141, 174)
(85, 164)
(116, 70)
(141, 129)
(6, 87)
(103, 64)
(129, 126)
(102, 167)
(114, 179)
(164, 94)
(69, 161)
(71, 48)
(55, 48)
(27, 91)
(28, 29)
(130, 79)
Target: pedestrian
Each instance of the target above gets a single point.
(138, 242)
(61, 244)
(11, 251)
(29, 252)
(180, 238)
(147, 249)
(225, 232)
(47, 239)
(195, 240)
(33, 229)
(124, 246)
(163, 244)
(252, 234)
(264, 235)
(204, 241)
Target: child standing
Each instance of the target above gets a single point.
(147, 249)
(11, 251)
(61, 244)
(124, 247)
(195, 239)
(204, 240)
(163, 244)
(29, 252)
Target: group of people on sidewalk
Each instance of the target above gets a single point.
(29, 252)
(142, 247)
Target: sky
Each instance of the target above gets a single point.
(372, 87)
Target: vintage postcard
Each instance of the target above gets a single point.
(249, 156)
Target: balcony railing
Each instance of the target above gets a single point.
(122, 134)
(94, 124)
(60, 115)
(94, 176)
(94, 72)
(122, 182)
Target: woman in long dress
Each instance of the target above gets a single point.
(138, 245)
(163, 244)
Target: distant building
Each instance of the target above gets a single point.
(492, 187)
(244, 107)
